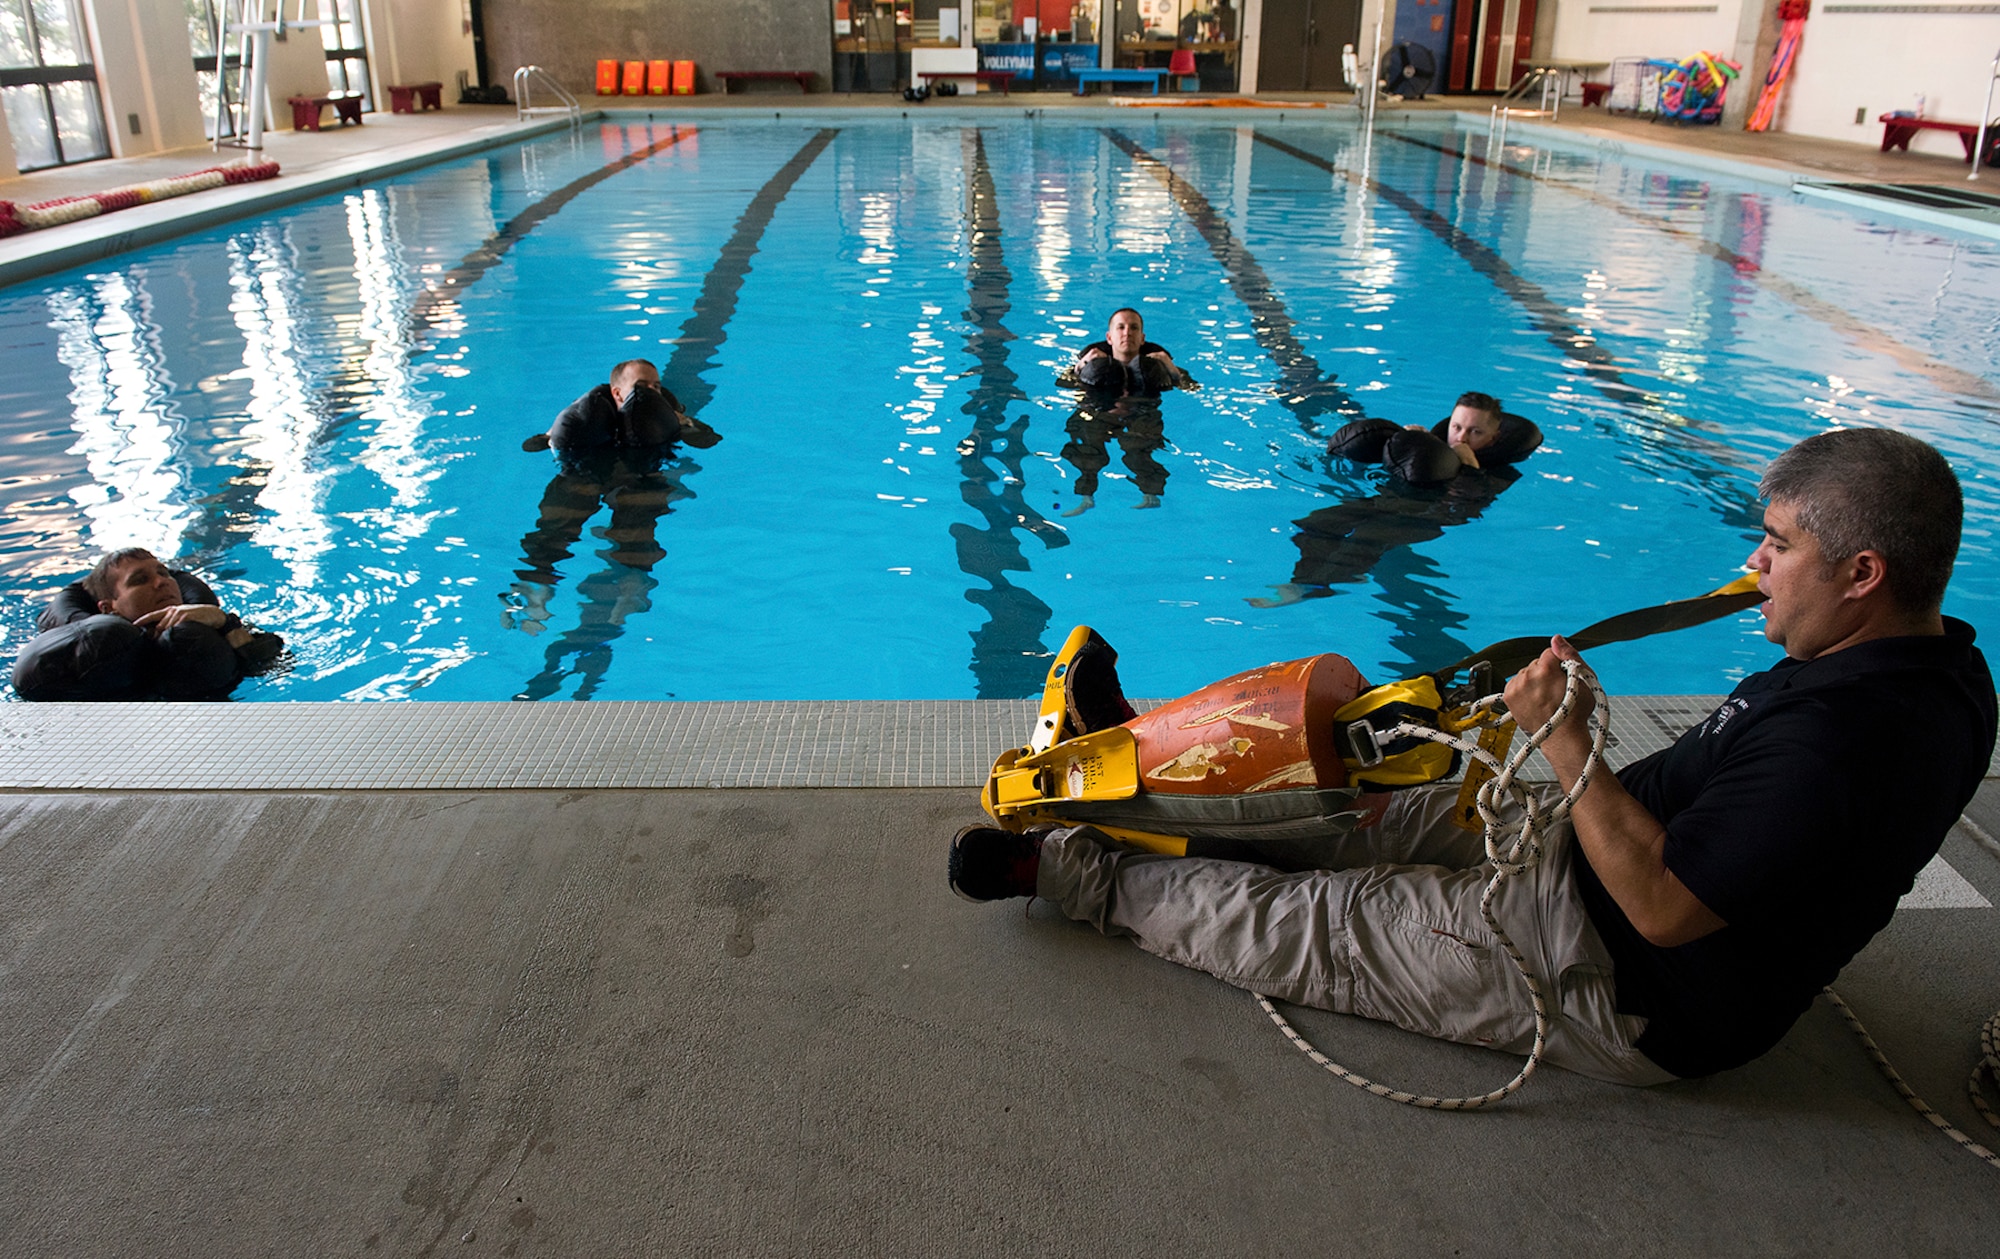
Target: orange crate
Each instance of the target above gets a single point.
(658, 78)
(635, 78)
(683, 78)
(607, 78)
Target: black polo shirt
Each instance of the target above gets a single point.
(1800, 812)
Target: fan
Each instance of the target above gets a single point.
(1408, 71)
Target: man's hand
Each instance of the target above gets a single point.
(1534, 694)
(197, 613)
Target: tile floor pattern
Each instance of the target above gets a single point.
(469, 746)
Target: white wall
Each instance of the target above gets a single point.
(1876, 62)
(1644, 28)
(145, 66)
(417, 41)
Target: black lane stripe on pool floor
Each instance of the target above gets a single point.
(1865, 335)
(707, 325)
(445, 294)
(1306, 390)
(1009, 654)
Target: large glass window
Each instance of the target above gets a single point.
(48, 86)
(346, 49)
(218, 66)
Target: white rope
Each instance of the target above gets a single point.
(1513, 849)
(1987, 1069)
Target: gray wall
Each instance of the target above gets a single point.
(567, 37)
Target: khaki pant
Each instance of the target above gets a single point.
(1394, 934)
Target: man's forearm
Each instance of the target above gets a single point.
(1626, 845)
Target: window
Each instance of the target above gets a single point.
(346, 50)
(219, 77)
(47, 87)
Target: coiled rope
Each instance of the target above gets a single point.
(1513, 848)
(1987, 1069)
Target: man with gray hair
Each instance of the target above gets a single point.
(1694, 904)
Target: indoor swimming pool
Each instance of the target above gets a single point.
(322, 410)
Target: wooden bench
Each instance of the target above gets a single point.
(1898, 132)
(411, 97)
(1086, 75)
(305, 110)
(801, 77)
(1003, 77)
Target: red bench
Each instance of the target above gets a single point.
(1004, 78)
(801, 77)
(410, 97)
(1898, 132)
(305, 110)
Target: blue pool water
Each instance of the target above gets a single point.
(322, 410)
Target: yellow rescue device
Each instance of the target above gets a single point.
(1273, 763)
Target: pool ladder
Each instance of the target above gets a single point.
(528, 76)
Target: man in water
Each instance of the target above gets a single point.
(136, 629)
(1474, 425)
(1126, 363)
(632, 411)
(1695, 903)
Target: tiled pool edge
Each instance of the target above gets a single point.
(485, 746)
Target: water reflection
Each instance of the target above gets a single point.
(1370, 536)
(1136, 424)
(639, 488)
(128, 430)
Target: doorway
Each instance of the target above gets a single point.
(1301, 41)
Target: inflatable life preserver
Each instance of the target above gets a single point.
(1268, 765)
(84, 655)
(1426, 458)
(1147, 376)
(649, 419)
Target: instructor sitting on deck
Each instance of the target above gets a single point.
(1707, 892)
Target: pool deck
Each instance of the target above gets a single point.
(608, 979)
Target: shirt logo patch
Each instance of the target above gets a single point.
(1721, 716)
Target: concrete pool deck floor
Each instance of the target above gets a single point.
(664, 979)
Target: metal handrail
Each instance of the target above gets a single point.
(1985, 121)
(527, 76)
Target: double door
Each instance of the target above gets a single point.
(1300, 42)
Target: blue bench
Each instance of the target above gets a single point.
(1086, 76)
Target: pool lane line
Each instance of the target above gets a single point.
(425, 311)
(707, 325)
(1304, 388)
(1552, 320)
(624, 586)
(1009, 657)
(1864, 335)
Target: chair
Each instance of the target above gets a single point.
(1181, 66)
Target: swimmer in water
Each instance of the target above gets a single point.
(1128, 364)
(632, 411)
(1473, 426)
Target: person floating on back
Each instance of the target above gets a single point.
(1125, 364)
(634, 411)
(135, 629)
(1478, 435)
